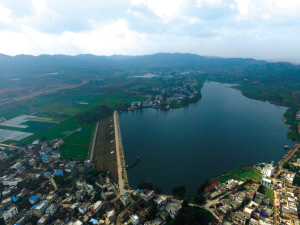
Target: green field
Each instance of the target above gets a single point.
(58, 130)
(266, 191)
(74, 151)
(244, 174)
(82, 137)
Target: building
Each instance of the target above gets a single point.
(6, 193)
(51, 209)
(290, 177)
(59, 173)
(161, 201)
(95, 207)
(268, 170)
(83, 207)
(10, 212)
(111, 215)
(173, 207)
(266, 182)
(40, 209)
(33, 199)
(46, 159)
(44, 219)
(87, 164)
(147, 195)
(125, 199)
(47, 174)
(17, 165)
(36, 176)
(81, 183)
(31, 162)
(134, 219)
(52, 197)
(6, 202)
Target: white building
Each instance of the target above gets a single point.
(51, 209)
(134, 219)
(40, 209)
(290, 177)
(266, 182)
(96, 206)
(298, 160)
(31, 162)
(10, 212)
(83, 207)
(148, 196)
(268, 170)
(17, 165)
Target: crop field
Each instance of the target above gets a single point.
(74, 151)
(48, 119)
(81, 137)
(58, 130)
(245, 174)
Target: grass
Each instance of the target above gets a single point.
(242, 174)
(266, 191)
(175, 105)
(82, 137)
(74, 151)
(57, 131)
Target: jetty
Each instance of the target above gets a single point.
(134, 164)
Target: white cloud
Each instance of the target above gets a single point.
(5, 15)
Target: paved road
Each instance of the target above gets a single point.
(119, 160)
(94, 141)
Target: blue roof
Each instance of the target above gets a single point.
(46, 156)
(34, 206)
(58, 173)
(79, 129)
(67, 219)
(138, 190)
(93, 221)
(133, 102)
(33, 197)
(126, 194)
(14, 198)
(48, 172)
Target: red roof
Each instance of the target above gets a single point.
(210, 188)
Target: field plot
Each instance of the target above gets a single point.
(47, 119)
(58, 130)
(245, 174)
(74, 151)
(81, 137)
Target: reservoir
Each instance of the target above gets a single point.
(219, 133)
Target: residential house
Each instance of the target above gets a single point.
(33, 199)
(147, 195)
(39, 210)
(10, 212)
(266, 182)
(268, 170)
(83, 207)
(51, 209)
(134, 219)
(44, 219)
(47, 174)
(95, 207)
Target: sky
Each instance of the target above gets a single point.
(260, 29)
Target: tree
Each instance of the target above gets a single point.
(152, 210)
(179, 191)
(200, 199)
(185, 203)
(97, 196)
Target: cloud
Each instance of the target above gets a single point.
(230, 28)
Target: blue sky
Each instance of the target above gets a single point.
(261, 29)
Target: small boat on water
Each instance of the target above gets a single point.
(286, 147)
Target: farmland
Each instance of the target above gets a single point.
(71, 151)
(82, 137)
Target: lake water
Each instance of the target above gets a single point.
(222, 131)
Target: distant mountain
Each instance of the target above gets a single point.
(24, 65)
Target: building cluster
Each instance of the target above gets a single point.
(163, 97)
(38, 186)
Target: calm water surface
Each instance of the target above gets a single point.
(221, 132)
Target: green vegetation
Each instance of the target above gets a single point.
(192, 216)
(291, 167)
(149, 185)
(266, 191)
(175, 105)
(152, 211)
(244, 173)
(81, 137)
(74, 151)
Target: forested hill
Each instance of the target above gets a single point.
(27, 65)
